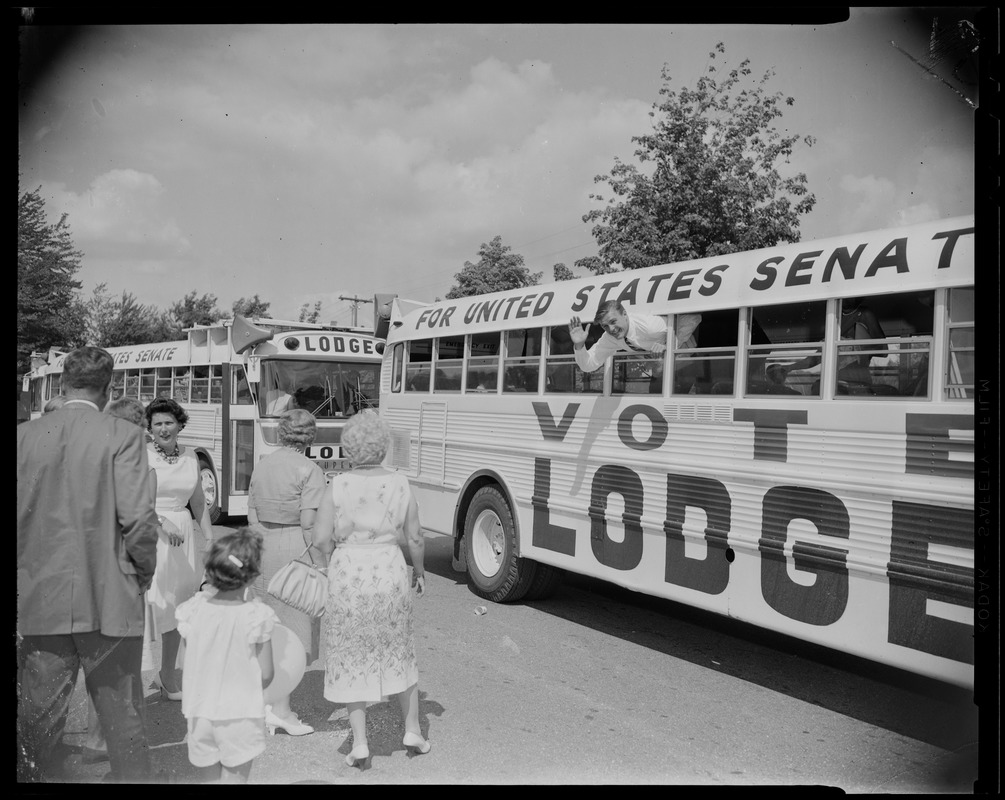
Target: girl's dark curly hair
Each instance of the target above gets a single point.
(234, 560)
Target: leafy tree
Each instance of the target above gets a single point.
(308, 315)
(191, 311)
(496, 270)
(711, 183)
(110, 322)
(251, 307)
(562, 272)
(46, 264)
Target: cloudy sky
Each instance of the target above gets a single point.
(310, 162)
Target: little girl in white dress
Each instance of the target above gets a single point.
(228, 661)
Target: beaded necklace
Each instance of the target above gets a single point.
(173, 457)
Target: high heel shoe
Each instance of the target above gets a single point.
(164, 692)
(293, 726)
(415, 743)
(359, 757)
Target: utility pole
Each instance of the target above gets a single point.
(355, 306)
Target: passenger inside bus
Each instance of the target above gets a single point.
(624, 332)
(277, 401)
(775, 375)
(312, 398)
(854, 373)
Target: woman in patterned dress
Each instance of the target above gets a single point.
(371, 517)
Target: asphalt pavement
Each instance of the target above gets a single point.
(596, 686)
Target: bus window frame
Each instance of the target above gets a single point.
(491, 364)
(448, 372)
(522, 362)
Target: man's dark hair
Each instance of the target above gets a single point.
(606, 307)
(88, 368)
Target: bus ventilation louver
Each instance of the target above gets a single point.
(697, 412)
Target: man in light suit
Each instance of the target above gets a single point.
(86, 552)
(628, 333)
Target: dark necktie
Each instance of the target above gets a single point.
(634, 346)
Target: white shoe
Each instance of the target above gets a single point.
(293, 726)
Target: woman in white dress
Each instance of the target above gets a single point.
(179, 567)
(369, 647)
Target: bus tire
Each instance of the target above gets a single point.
(490, 547)
(211, 491)
(546, 580)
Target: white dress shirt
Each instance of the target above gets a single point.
(647, 332)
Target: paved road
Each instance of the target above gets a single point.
(598, 685)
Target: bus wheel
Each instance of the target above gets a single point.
(210, 490)
(496, 572)
(545, 582)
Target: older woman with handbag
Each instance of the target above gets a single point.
(371, 517)
(283, 498)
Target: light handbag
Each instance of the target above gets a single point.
(302, 585)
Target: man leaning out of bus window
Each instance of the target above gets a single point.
(624, 332)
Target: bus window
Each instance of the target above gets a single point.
(118, 384)
(522, 360)
(35, 401)
(242, 454)
(893, 341)
(132, 388)
(240, 391)
(327, 389)
(639, 373)
(216, 384)
(786, 340)
(420, 362)
(449, 364)
(397, 355)
(162, 384)
(180, 385)
(960, 353)
(483, 363)
(362, 386)
(148, 383)
(710, 366)
(200, 384)
(563, 375)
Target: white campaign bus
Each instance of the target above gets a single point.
(834, 503)
(234, 380)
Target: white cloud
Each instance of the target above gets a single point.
(935, 185)
(121, 208)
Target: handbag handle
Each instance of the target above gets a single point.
(307, 552)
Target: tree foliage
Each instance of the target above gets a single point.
(51, 312)
(115, 322)
(46, 264)
(191, 311)
(310, 315)
(250, 307)
(708, 183)
(562, 272)
(497, 270)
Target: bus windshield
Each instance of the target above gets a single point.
(329, 390)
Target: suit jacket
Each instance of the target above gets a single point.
(86, 524)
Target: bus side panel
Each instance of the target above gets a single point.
(204, 431)
(828, 531)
